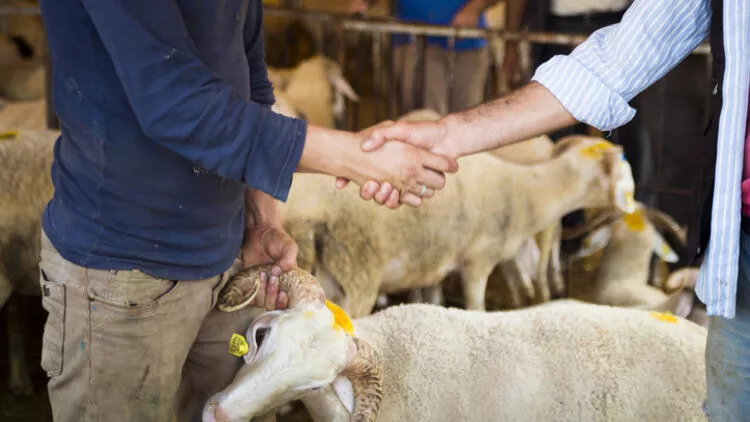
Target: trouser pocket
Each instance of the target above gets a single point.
(53, 340)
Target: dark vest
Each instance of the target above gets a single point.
(700, 228)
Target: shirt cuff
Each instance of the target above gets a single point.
(278, 153)
(583, 94)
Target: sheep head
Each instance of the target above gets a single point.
(291, 353)
(610, 180)
(628, 225)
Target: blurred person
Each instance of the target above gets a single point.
(593, 85)
(168, 176)
(471, 54)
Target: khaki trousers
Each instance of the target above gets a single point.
(470, 74)
(124, 346)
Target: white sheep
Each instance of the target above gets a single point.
(622, 273)
(315, 89)
(565, 362)
(25, 189)
(481, 218)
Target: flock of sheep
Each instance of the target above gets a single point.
(620, 342)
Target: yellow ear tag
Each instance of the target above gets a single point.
(341, 320)
(664, 316)
(635, 221)
(595, 151)
(8, 135)
(238, 346)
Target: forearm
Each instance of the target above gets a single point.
(527, 112)
(260, 207)
(514, 10)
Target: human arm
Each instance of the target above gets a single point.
(182, 105)
(592, 85)
(514, 12)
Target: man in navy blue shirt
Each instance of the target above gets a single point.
(471, 55)
(170, 163)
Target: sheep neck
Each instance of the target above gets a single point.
(553, 189)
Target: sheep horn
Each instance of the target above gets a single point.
(664, 221)
(365, 371)
(599, 220)
(299, 285)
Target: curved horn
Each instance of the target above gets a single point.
(665, 222)
(299, 285)
(365, 371)
(601, 219)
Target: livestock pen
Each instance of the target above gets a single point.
(363, 47)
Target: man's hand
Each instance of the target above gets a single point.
(384, 193)
(267, 242)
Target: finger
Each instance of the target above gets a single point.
(283, 250)
(411, 199)
(430, 179)
(383, 193)
(260, 296)
(272, 292)
(439, 162)
(393, 200)
(400, 131)
(282, 301)
(428, 193)
(368, 190)
(341, 183)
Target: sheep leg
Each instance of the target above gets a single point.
(474, 282)
(433, 295)
(558, 283)
(515, 277)
(547, 237)
(19, 379)
(415, 296)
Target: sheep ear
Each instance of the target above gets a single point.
(345, 392)
(263, 321)
(595, 242)
(340, 84)
(662, 249)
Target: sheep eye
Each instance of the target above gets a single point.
(260, 334)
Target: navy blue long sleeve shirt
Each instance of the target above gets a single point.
(165, 118)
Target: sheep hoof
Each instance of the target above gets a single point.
(239, 291)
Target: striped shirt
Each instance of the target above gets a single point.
(619, 61)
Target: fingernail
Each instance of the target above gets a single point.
(274, 280)
(276, 271)
(367, 144)
(371, 187)
(263, 277)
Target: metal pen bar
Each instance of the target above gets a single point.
(400, 27)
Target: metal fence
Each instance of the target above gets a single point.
(370, 39)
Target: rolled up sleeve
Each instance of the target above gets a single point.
(182, 105)
(598, 79)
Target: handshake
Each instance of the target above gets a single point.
(402, 162)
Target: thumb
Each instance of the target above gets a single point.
(401, 131)
(282, 249)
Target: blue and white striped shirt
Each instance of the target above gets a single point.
(598, 79)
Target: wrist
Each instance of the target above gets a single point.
(453, 143)
(324, 152)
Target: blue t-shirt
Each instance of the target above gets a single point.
(435, 12)
(165, 116)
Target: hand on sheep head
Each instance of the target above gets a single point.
(430, 136)
(266, 242)
(430, 179)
